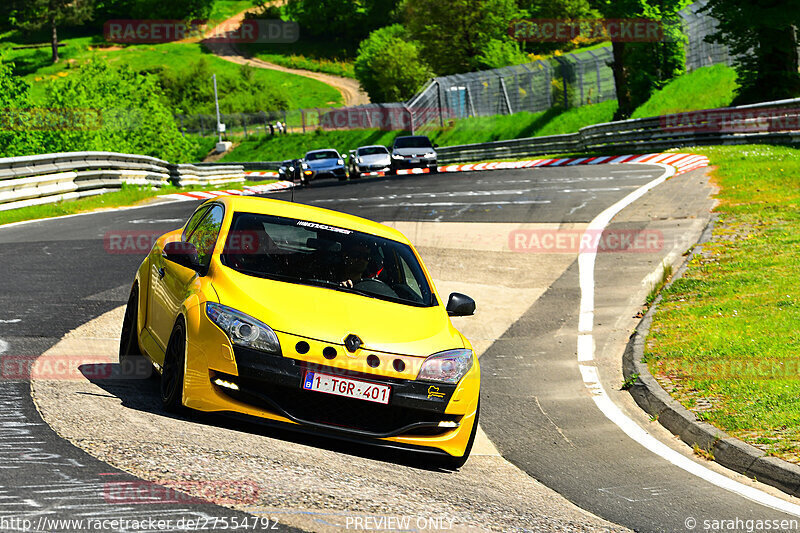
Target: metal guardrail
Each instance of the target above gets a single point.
(41, 179)
(769, 122)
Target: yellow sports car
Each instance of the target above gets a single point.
(305, 316)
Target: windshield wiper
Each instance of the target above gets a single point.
(337, 286)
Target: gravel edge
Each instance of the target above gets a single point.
(654, 400)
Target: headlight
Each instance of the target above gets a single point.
(340, 161)
(429, 156)
(304, 165)
(396, 156)
(243, 330)
(448, 367)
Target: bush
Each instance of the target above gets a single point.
(116, 110)
(388, 65)
(191, 90)
(15, 138)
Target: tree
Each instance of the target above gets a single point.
(388, 65)
(37, 14)
(17, 137)
(762, 37)
(151, 9)
(454, 33)
(642, 67)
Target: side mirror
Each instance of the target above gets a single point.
(182, 253)
(460, 305)
(435, 145)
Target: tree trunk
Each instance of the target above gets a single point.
(54, 40)
(777, 76)
(620, 71)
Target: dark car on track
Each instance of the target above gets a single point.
(413, 151)
(325, 163)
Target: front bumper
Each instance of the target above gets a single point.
(406, 163)
(270, 387)
(335, 172)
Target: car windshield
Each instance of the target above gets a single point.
(328, 154)
(412, 142)
(299, 251)
(372, 150)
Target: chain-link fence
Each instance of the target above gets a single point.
(697, 26)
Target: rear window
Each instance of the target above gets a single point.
(310, 253)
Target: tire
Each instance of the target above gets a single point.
(172, 372)
(454, 463)
(434, 169)
(132, 362)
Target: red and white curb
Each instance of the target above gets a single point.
(681, 162)
(264, 174)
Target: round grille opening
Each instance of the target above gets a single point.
(302, 347)
(373, 360)
(329, 352)
(399, 365)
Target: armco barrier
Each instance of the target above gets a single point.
(40, 179)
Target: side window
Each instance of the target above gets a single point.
(196, 217)
(205, 235)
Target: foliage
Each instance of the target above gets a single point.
(388, 65)
(191, 89)
(113, 109)
(643, 67)
(500, 53)
(762, 37)
(36, 14)
(340, 20)
(152, 9)
(454, 33)
(15, 138)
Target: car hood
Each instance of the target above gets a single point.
(323, 163)
(417, 152)
(374, 159)
(329, 315)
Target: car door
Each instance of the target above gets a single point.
(172, 283)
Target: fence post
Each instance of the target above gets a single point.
(505, 94)
(244, 124)
(410, 117)
(561, 63)
(303, 119)
(439, 98)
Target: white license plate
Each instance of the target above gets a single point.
(350, 388)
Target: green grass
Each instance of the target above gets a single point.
(317, 56)
(127, 195)
(464, 131)
(35, 66)
(727, 331)
(704, 88)
(225, 9)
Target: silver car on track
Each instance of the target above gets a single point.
(374, 158)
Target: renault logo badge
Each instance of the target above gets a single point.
(352, 343)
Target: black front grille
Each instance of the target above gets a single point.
(338, 412)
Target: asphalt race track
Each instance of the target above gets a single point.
(538, 413)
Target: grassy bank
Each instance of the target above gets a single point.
(704, 88)
(725, 341)
(464, 131)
